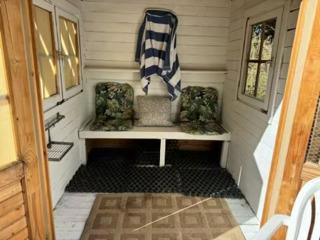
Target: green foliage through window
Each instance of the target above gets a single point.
(259, 59)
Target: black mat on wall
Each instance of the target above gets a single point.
(188, 172)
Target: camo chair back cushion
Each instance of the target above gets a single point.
(199, 110)
(114, 107)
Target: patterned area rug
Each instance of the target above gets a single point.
(146, 216)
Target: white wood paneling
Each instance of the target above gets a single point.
(253, 134)
(111, 27)
(110, 34)
(66, 130)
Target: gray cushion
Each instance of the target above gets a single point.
(154, 111)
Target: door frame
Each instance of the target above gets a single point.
(26, 102)
(297, 114)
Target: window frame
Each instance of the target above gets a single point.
(68, 93)
(55, 99)
(6, 100)
(264, 105)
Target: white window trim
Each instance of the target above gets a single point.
(55, 99)
(252, 102)
(68, 93)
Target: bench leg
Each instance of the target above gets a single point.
(83, 151)
(224, 154)
(162, 153)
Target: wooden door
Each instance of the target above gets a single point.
(13, 220)
(25, 202)
(299, 106)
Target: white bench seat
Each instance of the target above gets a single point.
(160, 133)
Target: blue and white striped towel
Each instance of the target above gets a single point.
(156, 50)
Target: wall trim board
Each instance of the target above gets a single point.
(135, 70)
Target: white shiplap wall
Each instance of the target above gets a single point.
(66, 130)
(109, 37)
(253, 134)
(111, 29)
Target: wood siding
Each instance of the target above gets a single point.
(16, 20)
(253, 133)
(13, 221)
(66, 130)
(109, 34)
(111, 28)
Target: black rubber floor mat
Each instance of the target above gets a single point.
(147, 158)
(99, 177)
(194, 160)
(153, 179)
(117, 171)
(212, 182)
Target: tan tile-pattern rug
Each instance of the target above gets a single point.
(146, 216)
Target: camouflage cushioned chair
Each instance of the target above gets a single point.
(198, 114)
(114, 107)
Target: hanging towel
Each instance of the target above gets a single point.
(156, 51)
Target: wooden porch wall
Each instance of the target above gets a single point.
(13, 221)
(25, 100)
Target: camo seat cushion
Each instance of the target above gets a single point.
(114, 107)
(197, 127)
(111, 125)
(199, 111)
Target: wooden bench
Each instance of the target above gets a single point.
(160, 133)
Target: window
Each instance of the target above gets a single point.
(57, 47)
(7, 139)
(68, 35)
(258, 59)
(46, 54)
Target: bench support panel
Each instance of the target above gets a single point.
(162, 161)
(83, 151)
(224, 154)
